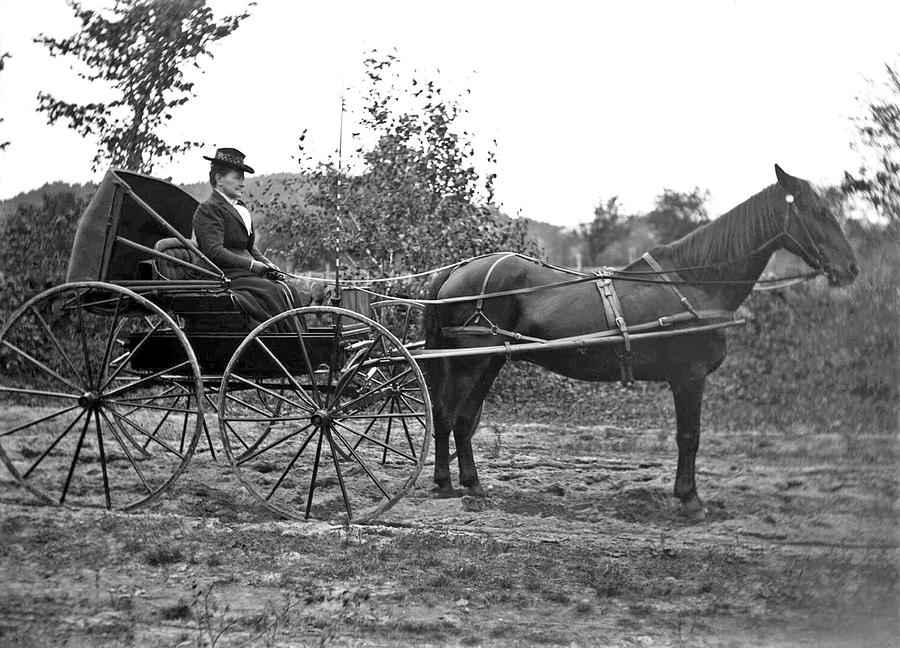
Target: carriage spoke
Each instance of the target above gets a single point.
(184, 427)
(57, 344)
(84, 347)
(110, 337)
(418, 417)
(346, 379)
(39, 392)
(247, 457)
(387, 436)
(309, 369)
(160, 408)
(375, 441)
(315, 472)
(144, 432)
(158, 425)
(298, 388)
(409, 395)
(147, 399)
(129, 400)
(243, 403)
(340, 475)
(53, 445)
(41, 419)
(397, 414)
(409, 440)
(137, 446)
(102, 453)
(112, 428)
(146, 379)
(42, 366)
(87, 421)
(125, 360)
(304, 408)
(371, 423)
(372, 392)
(362, 464)
(293, 461)
(237, 436)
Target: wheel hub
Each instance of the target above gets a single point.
(321, 417)
(90, 399)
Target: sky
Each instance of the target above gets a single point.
(586, 100)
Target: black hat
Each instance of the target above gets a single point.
(230, 157)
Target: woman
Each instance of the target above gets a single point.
(225, 234)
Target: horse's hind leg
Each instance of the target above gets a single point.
(444, 406)
(467, 421)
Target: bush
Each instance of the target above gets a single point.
(35, 243)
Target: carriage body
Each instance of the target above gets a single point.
(130, 362)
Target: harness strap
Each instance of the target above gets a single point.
(478, 314)
(672, 279)
(665, 276)
(614, 316)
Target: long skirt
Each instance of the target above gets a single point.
(261, 298)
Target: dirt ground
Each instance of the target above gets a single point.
(578, 543)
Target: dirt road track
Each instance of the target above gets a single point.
(578, 543)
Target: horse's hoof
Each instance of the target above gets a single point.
(693, 511)
(443, 492)
(476, 491)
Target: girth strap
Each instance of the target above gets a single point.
(614, 316)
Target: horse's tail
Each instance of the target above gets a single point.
(436, 370)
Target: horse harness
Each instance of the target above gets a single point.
(612, 308)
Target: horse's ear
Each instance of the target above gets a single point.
(788, 182)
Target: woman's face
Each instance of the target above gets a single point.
(231, 184)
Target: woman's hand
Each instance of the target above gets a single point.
(259, 269)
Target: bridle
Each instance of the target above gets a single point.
(813, 253)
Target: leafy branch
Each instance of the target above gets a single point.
(138, 49)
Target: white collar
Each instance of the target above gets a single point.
(231, 202)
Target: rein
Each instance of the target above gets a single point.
(634, 276)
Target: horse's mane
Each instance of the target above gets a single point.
(733, 235)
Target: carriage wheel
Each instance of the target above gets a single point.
(86, 421)
(402, 318)
(352, 430)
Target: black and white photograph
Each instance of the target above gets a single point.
(397, 323)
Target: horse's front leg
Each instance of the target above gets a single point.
(688, 395)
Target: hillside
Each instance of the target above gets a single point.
(555, 242)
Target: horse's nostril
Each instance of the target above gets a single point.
(854, 269)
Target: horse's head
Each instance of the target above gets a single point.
(813, 233)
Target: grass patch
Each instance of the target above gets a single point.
(180, 611)
(163, 555)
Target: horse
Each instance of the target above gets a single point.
(717, 264)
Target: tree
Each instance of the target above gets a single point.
(878, 178)
(140, 48)
(413, 199)
(676, 214)
(3, 56)
(608, 226)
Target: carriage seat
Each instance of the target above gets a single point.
(201, 310)
(170, 271)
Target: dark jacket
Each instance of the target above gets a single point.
(222, 237)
